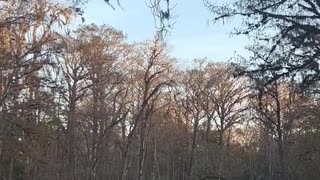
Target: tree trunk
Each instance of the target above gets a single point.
(221, 148)
(124, 170)
(193, 147)
(269, 155)
(11, 169)
(283, 173)
(125, 166)
(94, 149)
(142, 147)
(70, 171)
(155, 168)
(207, 145)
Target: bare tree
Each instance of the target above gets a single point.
(152, 75)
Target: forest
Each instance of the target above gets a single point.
(87, 104)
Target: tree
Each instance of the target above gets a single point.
(286, 33)
(26, 32)
(228, 98)
(151, 75)
(87, 104)
(191, 107)
(210, 94)
(273, 106)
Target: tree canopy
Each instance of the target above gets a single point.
(88, 104)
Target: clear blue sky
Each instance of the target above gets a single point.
(192, 35)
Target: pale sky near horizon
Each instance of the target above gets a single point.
(191, 37)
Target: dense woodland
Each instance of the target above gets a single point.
(85, 104)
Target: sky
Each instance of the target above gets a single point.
(193, 34)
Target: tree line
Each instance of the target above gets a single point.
(86, 104)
